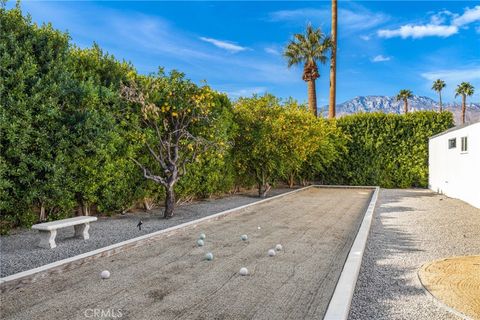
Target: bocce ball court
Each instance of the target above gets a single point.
(169, 278)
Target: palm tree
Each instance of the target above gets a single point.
(308, 48)
(438, 85)
(333, 63)
(464, 89)
(404, 95)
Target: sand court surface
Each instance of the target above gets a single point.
(456, 282)
(171, 279)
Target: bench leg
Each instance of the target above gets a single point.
(81, 231)
(47, 239)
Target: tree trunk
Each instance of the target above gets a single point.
(83, 208)
(333, 63)
(405, 106)
(464, 107)
(264, 190)
(312, 97)
(147, 204)
(440, 95)
(42, 216)
(169, 202)
(291, 181)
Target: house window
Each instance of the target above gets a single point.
(464, 144)
(452, 143)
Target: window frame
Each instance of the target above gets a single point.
(454, 145)
(464, 144)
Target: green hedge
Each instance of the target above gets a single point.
(387, 150)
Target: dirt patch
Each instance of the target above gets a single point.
(170, 279)
(455, 282)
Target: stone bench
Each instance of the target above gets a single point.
(48, 230)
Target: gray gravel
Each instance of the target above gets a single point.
(19, 251)
(411, 228)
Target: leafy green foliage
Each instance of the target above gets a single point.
(281, 142)
(33, 79)
(98, 132)
(181, 124)
(213, 171)
(258, 151)
(386, 149)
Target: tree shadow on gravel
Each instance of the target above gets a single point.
(383, 277)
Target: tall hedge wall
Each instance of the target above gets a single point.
(388, 150)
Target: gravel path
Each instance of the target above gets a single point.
(19, 251)
(411, 228)
(169, 278)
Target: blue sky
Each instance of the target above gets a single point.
(383, 46)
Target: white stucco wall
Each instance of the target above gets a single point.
(453, 172)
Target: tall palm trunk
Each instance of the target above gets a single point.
(405, 106)
(312, 97)
(333, 63)
(464, 107)
(440, 96)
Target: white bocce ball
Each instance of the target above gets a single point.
(200, 243)
(105, 274)
(259, 227)
(278, 247)
(243, 271)
(209, 256)
(271, 252)
(244, 237)
(202, 236)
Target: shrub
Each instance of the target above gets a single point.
(280, 141)
(388, 150)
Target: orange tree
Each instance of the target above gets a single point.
(300, 133)
(258, 146)
(279, 141)
(175, 126)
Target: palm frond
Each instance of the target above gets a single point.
(309, 47)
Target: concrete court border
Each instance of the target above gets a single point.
(339, 305)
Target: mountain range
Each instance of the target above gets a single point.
(391, 105)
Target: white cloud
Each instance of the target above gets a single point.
(358, 19)
(442, 24)
(226, 45)
(296, 14)
(469, 16)
(365, 38)
(454, 75)
(419, 31)
(380, 58)
(441, 17)
(246, 92)
(273, 51)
